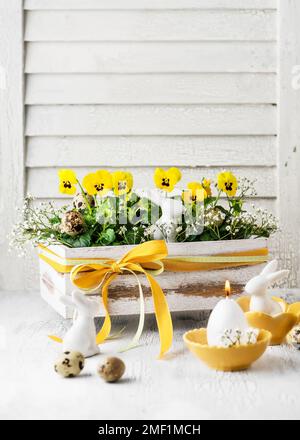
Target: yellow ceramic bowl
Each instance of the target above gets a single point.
(234, 358)
(278, 325)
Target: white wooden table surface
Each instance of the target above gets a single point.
(179, 387)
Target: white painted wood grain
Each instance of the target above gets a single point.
(149, 4)
(113, 151)
(150, 25)
(11, 134)
(151, 120)
(91, 57)
(151, 88)
(43, 182)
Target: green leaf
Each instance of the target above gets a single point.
(237, 205)
(107, 237)
(206, 236)
(83, 240)
(209, 200)
(133, 199)
(55, 220)
(221, 208)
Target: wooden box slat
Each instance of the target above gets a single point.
(185, 291)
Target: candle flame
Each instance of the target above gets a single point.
(227, 288)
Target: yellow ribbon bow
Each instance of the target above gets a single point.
(91, 277)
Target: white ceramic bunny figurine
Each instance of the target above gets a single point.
(171, 217)
(257, 288)
(82, 335)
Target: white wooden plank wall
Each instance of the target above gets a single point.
(11, 135)
(140, 83)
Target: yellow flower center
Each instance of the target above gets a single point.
(122, 185)
(99, 187)
(165, 182)
(228, 186)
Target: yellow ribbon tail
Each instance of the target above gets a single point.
(55, 339)
(106, 327)
(135, 340)
(163, 316)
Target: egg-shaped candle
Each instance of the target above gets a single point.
(227, 315)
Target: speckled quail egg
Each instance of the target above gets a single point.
(69, 364)
(79, 201)
(112, 370)
(72, 223)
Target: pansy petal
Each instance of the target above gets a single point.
(166, 179)
(174, 174)
(68, 175)
(67, 190)
(227, 182)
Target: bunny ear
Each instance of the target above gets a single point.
(273, 277)
(79, 298)
(270, 267)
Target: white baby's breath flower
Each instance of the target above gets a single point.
(149, 231)
(122, 230)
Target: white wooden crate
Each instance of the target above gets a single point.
(184, 290)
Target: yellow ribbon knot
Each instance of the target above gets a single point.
(115, 267)
(93, 277)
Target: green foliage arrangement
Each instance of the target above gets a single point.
(108, 212)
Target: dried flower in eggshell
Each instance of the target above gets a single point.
(72, 223)
(112, 370)
(231, 337)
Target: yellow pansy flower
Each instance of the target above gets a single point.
(195, 193)
(67, 181)
(227, 182)
(122, 182)
(167, 179)
(206, 185)
(98, 183)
